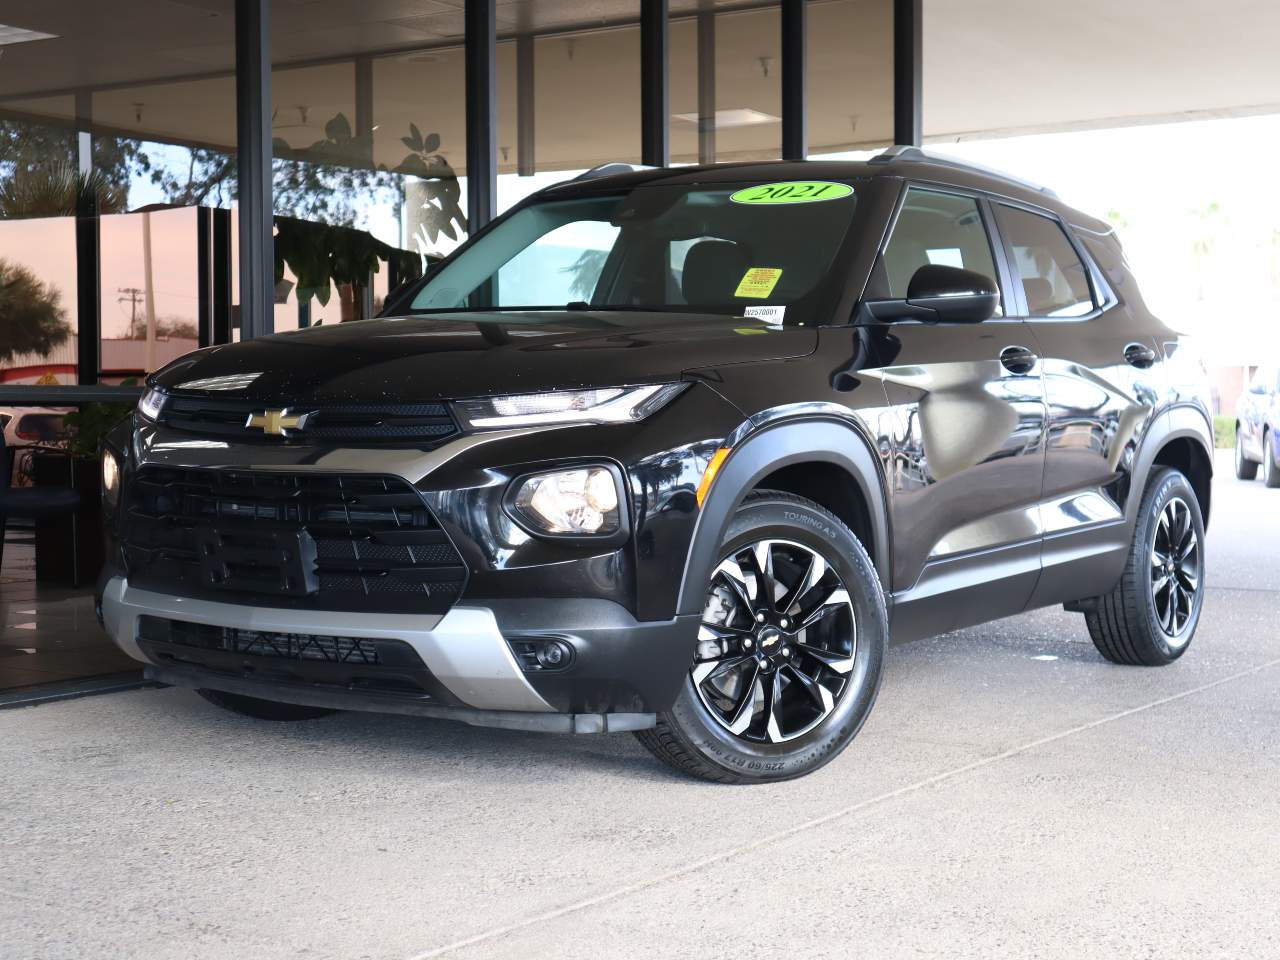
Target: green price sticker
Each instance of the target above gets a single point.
(793, 191)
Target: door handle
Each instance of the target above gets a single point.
(1139, 355)
(1018, 359)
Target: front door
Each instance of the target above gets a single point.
(968, 455)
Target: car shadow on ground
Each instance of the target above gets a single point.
(356, 741)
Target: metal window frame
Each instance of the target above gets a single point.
(655, 83)
(481, 59)
(253, 152)
(908, 73)
(795, 73)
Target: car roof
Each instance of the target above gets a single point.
(898, 163)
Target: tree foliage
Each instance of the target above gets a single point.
(32, 319)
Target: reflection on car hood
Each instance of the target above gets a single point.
(472, 354)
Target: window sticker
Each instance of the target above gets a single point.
(767, 314)
(758, 282)
(793, 191)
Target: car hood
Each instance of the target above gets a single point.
(442, 356)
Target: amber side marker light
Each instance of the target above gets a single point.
(709, 475)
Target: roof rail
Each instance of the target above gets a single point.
(906, 152)
(610, 169)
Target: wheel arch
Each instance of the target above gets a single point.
(797, 456)
(1184, 445)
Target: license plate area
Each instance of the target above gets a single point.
(258, 560)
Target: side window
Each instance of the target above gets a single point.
(935, 227)
(1054, 280)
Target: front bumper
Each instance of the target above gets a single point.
(620, 676)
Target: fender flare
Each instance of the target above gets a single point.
(1176, 422)
(830, 440)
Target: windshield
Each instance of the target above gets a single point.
(701, 249)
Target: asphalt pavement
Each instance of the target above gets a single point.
(1012, 795)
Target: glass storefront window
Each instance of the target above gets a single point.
(38, 184)
(365, 180)
(582, 92)
(78, 169)
(726, 93)
(850, 82)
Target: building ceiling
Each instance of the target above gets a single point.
(999, 67)
(163, 69)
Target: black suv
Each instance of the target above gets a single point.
(678, 452)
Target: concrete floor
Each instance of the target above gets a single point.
(1013, 795)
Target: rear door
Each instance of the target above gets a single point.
(969, 411)
(1101, 366)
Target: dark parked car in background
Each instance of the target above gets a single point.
(1258, 427)
(678, 452)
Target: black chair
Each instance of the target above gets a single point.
(29, 502)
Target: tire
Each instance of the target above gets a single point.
(1270, 469)
(1246, 469)
(1131, 625)
(790, 727)
(263, 709)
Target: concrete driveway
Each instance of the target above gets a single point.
(1013, 795)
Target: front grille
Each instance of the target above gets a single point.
(356, 664)
(263, 643)
(317, 541)
(423, 424)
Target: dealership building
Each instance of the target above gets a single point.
(183, 173)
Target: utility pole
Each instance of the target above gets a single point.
(133, 297)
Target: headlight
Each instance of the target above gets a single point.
(582, 502)
(152, 403)
(608, 405)
(110, 478)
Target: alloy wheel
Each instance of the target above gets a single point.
(1176, 565)
(777, 642)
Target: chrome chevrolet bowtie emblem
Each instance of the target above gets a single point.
(277, 422)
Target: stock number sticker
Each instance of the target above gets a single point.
(793, 191)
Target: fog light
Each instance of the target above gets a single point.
(551, 654)
(580, 502)
(110, 478)
(539, 654)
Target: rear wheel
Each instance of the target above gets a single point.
(1151, 615)
(1246, 469)
(1270, 469)
(263, 709)
(789, 652)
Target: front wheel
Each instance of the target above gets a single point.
(1151, 615)
(789, 652)
(1246, 469)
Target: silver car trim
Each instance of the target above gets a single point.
(464, 649)
(169, 448)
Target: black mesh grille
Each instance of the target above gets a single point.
(261, 643)
(335, 542)
(427, 424)
(357, 664)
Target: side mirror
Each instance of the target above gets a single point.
(953, 294)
